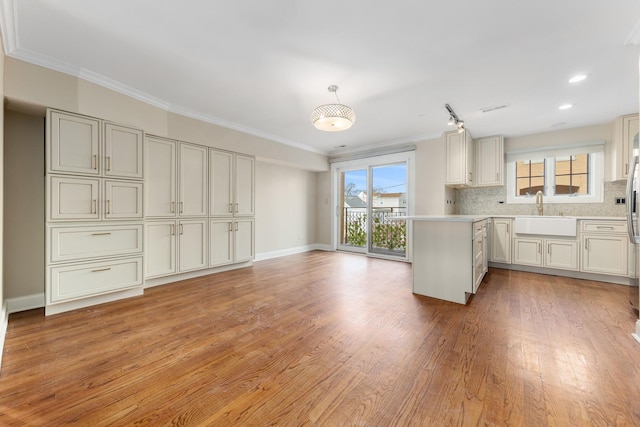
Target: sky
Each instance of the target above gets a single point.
(391, 178)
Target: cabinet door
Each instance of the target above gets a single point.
(122, 151)
(604, 254)
(527, 251)
(459, 160)
(561, 254)
(193, 180)
(74, 145)
(489, 161)
(73, 198)
(221, 184)
(244, 243)
(220, 242)
(160, 248)
(244, 185)
(192, 244)
(501, 241)
(122, 199)
(160, 181)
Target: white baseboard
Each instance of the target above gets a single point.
(4, 319)
(291, 251)
(28, 302)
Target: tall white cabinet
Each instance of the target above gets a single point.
(94, 211)
(459, 155)
(200, 207)
(232, 207)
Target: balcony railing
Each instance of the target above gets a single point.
(387, 235)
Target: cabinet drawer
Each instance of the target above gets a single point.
(70, 282)
(74, 243)
(604, 226)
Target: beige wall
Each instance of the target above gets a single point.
(324, 210)
(23, 205)
(285, 208)
(37, 86)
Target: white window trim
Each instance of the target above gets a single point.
(596, 176)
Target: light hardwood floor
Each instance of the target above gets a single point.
(330, 339)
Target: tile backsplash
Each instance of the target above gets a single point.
(486, 200)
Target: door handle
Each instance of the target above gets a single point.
(108, 206)
(94, 206)
(109, 163)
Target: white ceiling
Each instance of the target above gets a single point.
(263, 66)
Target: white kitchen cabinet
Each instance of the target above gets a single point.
(561, 254)
(459, 159)
(448, 258)
(193, 180)
(70, 243)
(122, 199)
(489, 155)
(94, 183)
(604, 247)
(192, 244)
(73, 198)
(605, 254)
(501, 240)
(160, 177)
(123, 152)
(625, 134)
(231, 184)
(527, 251)
(73, 143)
(231, 241)
(70, 282)
(160, 248)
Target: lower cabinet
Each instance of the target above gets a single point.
(230, 241)
(500, 242)
(605, 254)
(552, 253)
(175, 247)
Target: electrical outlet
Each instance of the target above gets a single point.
(621, 200)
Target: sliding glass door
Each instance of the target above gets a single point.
(372, 195)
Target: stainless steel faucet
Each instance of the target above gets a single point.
(539, 202)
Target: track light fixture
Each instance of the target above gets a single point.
(453, 118)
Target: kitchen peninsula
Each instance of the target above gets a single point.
(449, 255)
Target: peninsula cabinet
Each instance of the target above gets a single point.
(489, 154)
(231, 184)
(459, 161)
(501, 240)
(94, 184)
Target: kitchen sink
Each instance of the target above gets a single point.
(546, 225)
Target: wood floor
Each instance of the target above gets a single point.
(330, 339)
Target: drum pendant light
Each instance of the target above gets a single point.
(333, 117)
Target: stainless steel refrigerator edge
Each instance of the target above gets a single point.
(632, 218)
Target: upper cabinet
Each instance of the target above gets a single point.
(160, 177)
(77, 147)
(231, 184)
(74, 143)
(193, 180)
(459, 149)
(625, 140)
(489, 153)
(122, 151)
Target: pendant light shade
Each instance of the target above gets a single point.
(333, 117)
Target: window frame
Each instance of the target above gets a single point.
(595, 178)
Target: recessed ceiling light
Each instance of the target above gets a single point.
(565, 106)
(577, 78)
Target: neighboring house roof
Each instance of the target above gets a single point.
(354, 202)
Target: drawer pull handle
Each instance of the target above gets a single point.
(101, 234)
(101, 269)
(602, 227)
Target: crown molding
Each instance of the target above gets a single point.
(8, 24)
(634, 36)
